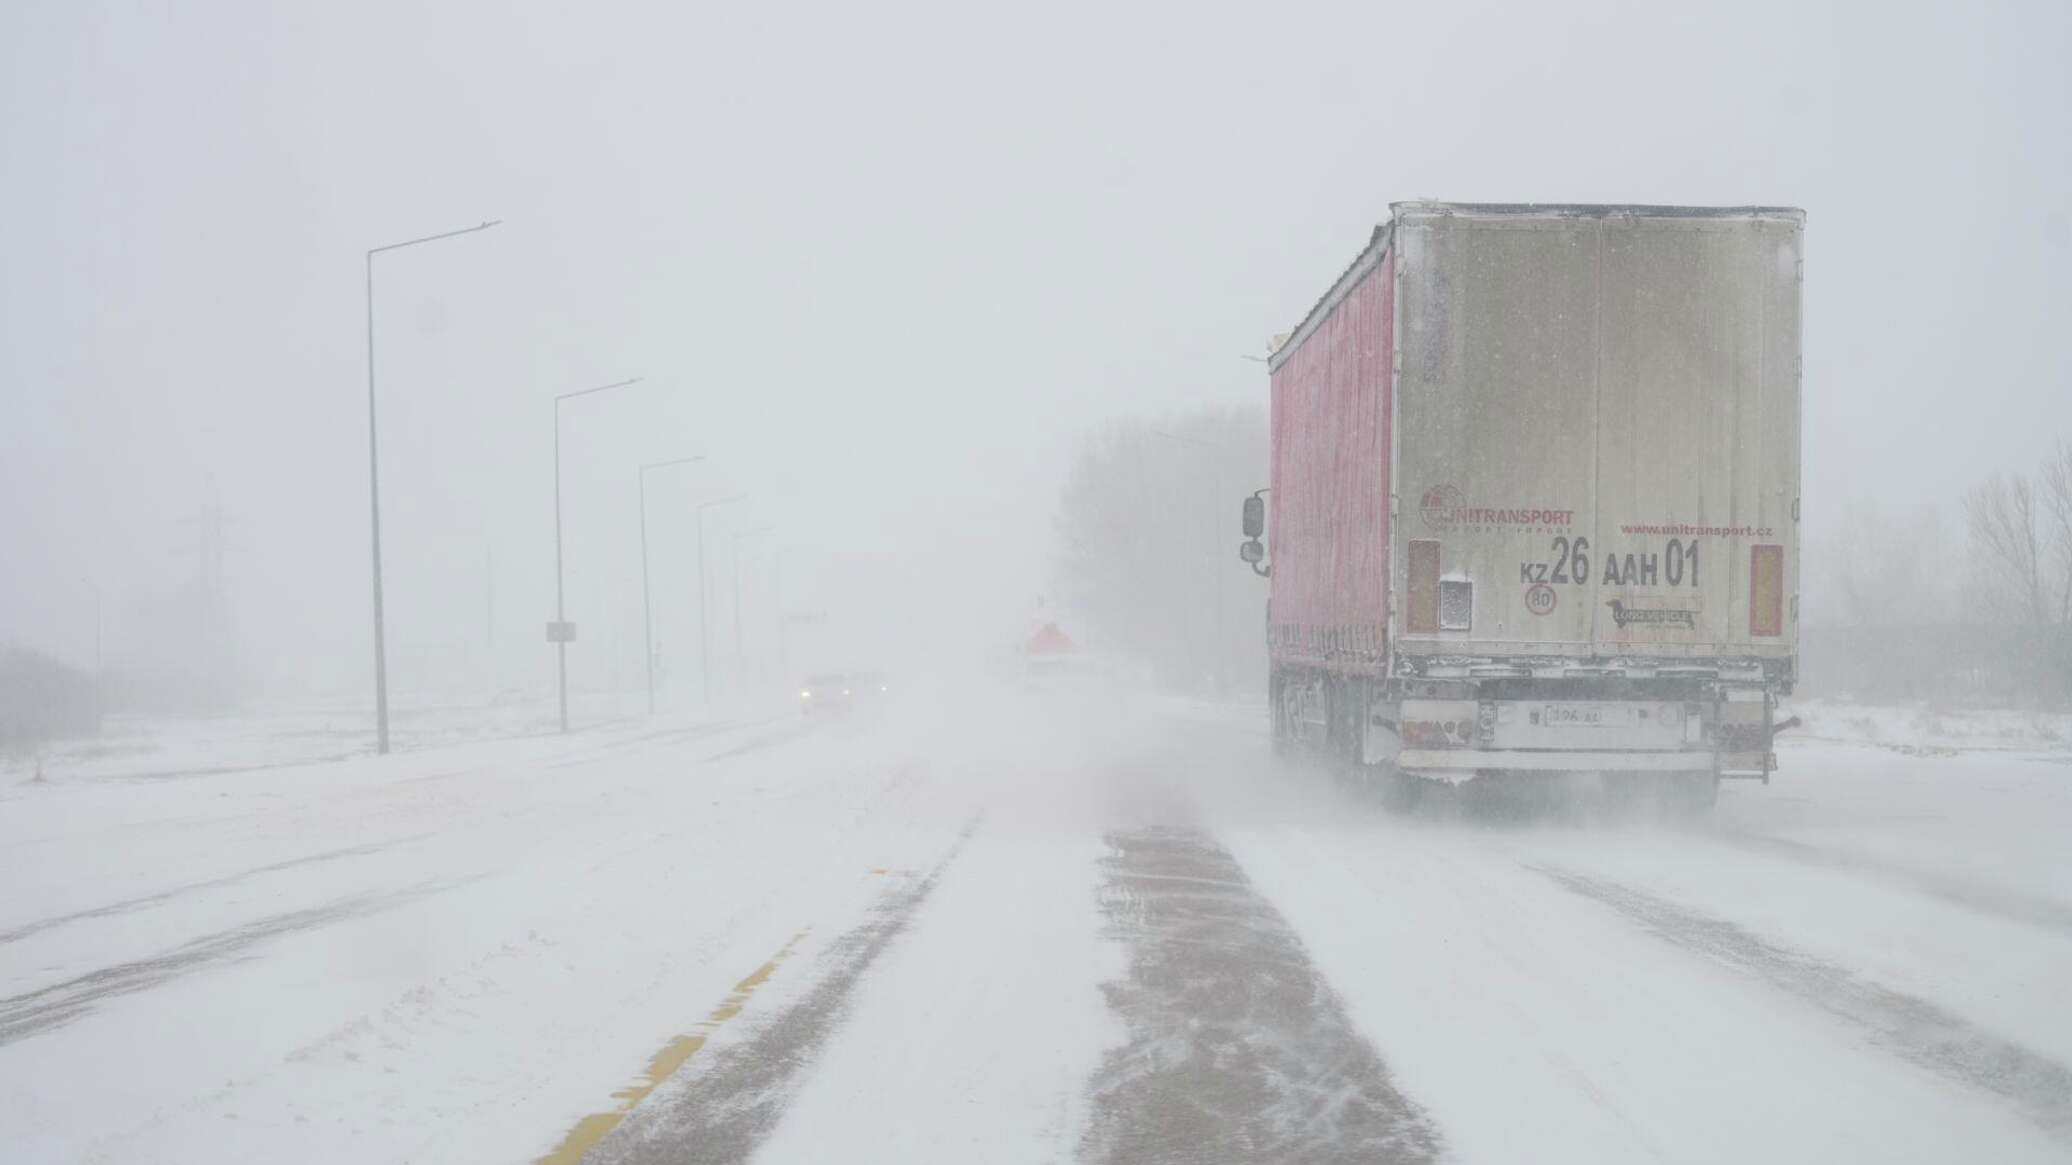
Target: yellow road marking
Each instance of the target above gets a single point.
(663, 1064)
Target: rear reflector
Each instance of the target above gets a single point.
(1766, 590)
(1421, 588)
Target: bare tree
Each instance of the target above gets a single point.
(2056, 516)
(2007, 571)
(2021, 562)
(1146, 520)
(1881, 570)
(41, 699)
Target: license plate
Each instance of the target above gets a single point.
(1586, 716)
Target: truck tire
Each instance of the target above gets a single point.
(1399, 791)
(1694, 794)
(1640, 795)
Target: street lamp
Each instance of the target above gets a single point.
(740, 658)
(560, 631)
(374, 485)
(705, 639)
(647, 610)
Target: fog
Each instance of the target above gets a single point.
(883, 268)
(905, 367)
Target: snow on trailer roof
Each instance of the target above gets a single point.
(1377, 245)
(1594, 210)
(1378, 242)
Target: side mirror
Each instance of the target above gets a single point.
(1252, 551)
(1255, 518)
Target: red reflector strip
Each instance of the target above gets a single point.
(1421, 588)
(1766, 590)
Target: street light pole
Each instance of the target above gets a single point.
(704, 637)
(561, 628)
(647, 609)
(783, 620)
(381, 718)
(740, 657)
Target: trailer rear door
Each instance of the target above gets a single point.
(1597, 432)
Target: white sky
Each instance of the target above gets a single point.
(881, 263)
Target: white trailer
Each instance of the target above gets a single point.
(1536, 493)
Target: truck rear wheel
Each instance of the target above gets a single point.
(1400, 792)
(1694, 794)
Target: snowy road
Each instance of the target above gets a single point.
(1078, 927)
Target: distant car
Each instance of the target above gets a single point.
(831, 692)
(825, 693)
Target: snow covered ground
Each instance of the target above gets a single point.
(1012, 924)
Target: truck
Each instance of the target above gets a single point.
(1534, 498)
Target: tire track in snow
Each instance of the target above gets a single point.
(151, 775)
(1911, 1027)
(663, 1064)
(2000, 902)
(723, 1113)
(765, 740)
(662, 738)
(126, 905)
(1238, 1050)
(61, 1003)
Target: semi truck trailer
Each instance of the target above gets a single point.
(1534, 501)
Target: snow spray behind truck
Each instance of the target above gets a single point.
(1535, 496)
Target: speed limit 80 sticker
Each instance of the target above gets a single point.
(1540, 599)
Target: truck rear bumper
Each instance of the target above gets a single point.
(1458, 760)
